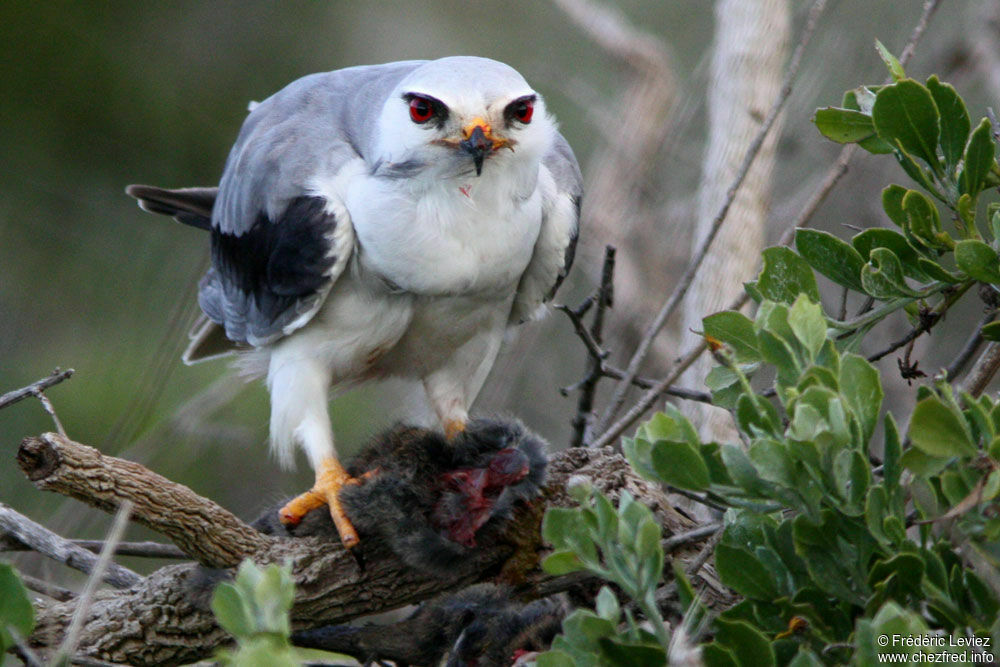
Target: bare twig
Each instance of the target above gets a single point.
(12, 397)
(681, 539)
(49, 408)
(928, 318)
(47, 589)
(205, 531)
(583, 420)
(982, 372)
(706, 552)
(930, 6)
(647, 399)
(72, 638)
(969, 349)
(648, 383)
(47, 543)
(137, 549)
(677, 296)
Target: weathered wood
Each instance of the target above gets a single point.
(166, 618)
(35, 388)
(44, 541)
(204, 530)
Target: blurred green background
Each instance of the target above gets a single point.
(95, 96)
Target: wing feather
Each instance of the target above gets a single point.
(562, 188)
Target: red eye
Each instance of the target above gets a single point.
(421, 109)
(523, 111)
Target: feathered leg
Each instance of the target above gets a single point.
(299, 390)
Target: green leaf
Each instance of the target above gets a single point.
(607, 606)
(892, 203)
(740, 468)
(882, 276)
(618, 652)
(715, 654)
(905, 115)
(991, 331)
(979, 159)
(861, 387)
(805, 658)
(638, 452)
(779, 354)
(559, 525)
(562, 562)
(955, 123)
(725, 386)
(669, 424)
(750, 647)
(679, 464)
(834, 258)
(742, 572)
(922, 219)
(16, 611)
(891, 453)
(773, 461)
(891, 62)
(756, 415)
(786, 275)
(853, 475)
(878, 237)
(555, 658)
(735, 330)
(938, 431)
(845, 126)
(978, 260)
(807, 322)
(232, 613)
(936, 272)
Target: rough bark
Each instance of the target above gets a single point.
(165, 619)
(202, 529)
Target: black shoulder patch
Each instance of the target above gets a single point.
(275, 262)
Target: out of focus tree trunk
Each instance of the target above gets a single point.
(748, 60)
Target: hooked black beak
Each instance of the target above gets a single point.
(477, 145)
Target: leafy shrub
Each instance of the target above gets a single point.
(832, 538)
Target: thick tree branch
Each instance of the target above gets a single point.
(202, 529)
(166, 619)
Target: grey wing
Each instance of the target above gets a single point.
(279, 241)
(562, 188)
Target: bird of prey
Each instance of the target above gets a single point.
(380, 221)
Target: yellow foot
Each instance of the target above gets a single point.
(330, 478)
(453, 427)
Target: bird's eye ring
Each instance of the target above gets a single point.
(523, 111)
(421, 109)
(520, 110)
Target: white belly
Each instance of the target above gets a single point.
(448, 238)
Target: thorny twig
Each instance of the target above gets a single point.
(677, 296)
